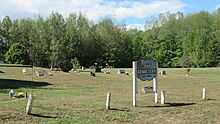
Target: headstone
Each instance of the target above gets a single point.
(78, 71)
(39, 73)
(24, 71)
(147, 89)
(121, 72)
(98, 70)
(163, 97)
(11, 93)
(203, 93)
(108, 98)
(45, 72)
(107, 72)
(29, 104)
(162, 72)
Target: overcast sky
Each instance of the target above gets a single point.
(130, 12)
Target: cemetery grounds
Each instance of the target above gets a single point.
(80, 98)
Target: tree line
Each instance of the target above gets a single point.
(173, 39)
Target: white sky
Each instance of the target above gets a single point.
(93, 9)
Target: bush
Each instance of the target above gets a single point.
(65, 65)
(17, 54)
(185, 61)
(75, 63)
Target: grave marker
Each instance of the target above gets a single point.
(121, 72)
(147, 89)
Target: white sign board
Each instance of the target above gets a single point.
(146, 69)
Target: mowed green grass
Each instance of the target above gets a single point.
(80, 98)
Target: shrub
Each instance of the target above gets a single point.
(75, 63)
(17, 54)
(65, 65)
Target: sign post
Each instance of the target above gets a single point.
(135, 83)
(155, 86)
(145, 69)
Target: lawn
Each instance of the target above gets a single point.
(80, 98)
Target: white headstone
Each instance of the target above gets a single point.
(29, 104)
(11, 93)
(108, 98)
(24, 70)
(203, 93)
(162, 97)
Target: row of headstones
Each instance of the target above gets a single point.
(44, 72)
(38, 72)
(123, 72)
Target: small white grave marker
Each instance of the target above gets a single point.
(203, 93)
(108, 98)
(24, 71)
(11, 93)
(162, 97)
(29, 104)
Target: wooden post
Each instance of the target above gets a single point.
(29, 104)
(155, 87)
(162, 97)
(108, 98)
(203, 93)
(135, 82)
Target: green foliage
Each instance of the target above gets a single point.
(17, 54)
(174, 40)
(65, 65)
(75, 63)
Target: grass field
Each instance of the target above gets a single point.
(80, 98)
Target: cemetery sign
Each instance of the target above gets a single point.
(146, 69)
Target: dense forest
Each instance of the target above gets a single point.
(173, 39)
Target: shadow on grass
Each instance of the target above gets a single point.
(171, 105)
(210, 99)
(42, 116)
(15, 84)
(2, 72)
(122, 109)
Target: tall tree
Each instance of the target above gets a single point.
(56, 30)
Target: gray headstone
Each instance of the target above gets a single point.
(121, 72)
